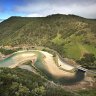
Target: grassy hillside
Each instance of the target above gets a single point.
(72, 36)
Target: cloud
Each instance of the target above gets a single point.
(34, 15)
(38, 8)
(32, 7)
(71, 2)
(1, 20)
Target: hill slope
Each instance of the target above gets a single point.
(70, 35)
(19, 82)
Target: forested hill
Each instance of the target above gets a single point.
(70, 35)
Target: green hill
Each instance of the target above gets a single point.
(70, 35)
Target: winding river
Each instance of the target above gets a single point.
(44, 62)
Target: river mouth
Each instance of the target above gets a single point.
(39, 64)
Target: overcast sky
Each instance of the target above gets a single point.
(39, 8)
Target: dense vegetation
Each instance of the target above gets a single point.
(6, 51)
(88, 61)
(89, 92)
(72, 36)
(19, 82)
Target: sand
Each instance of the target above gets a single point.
(65, 65)
(49, 63)
(20, 59)
(52, 68)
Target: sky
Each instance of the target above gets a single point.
(41, 8)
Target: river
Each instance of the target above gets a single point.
(48, 67)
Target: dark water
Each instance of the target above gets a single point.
(79, 76)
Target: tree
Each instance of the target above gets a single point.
(88, 61)
(39, 91)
